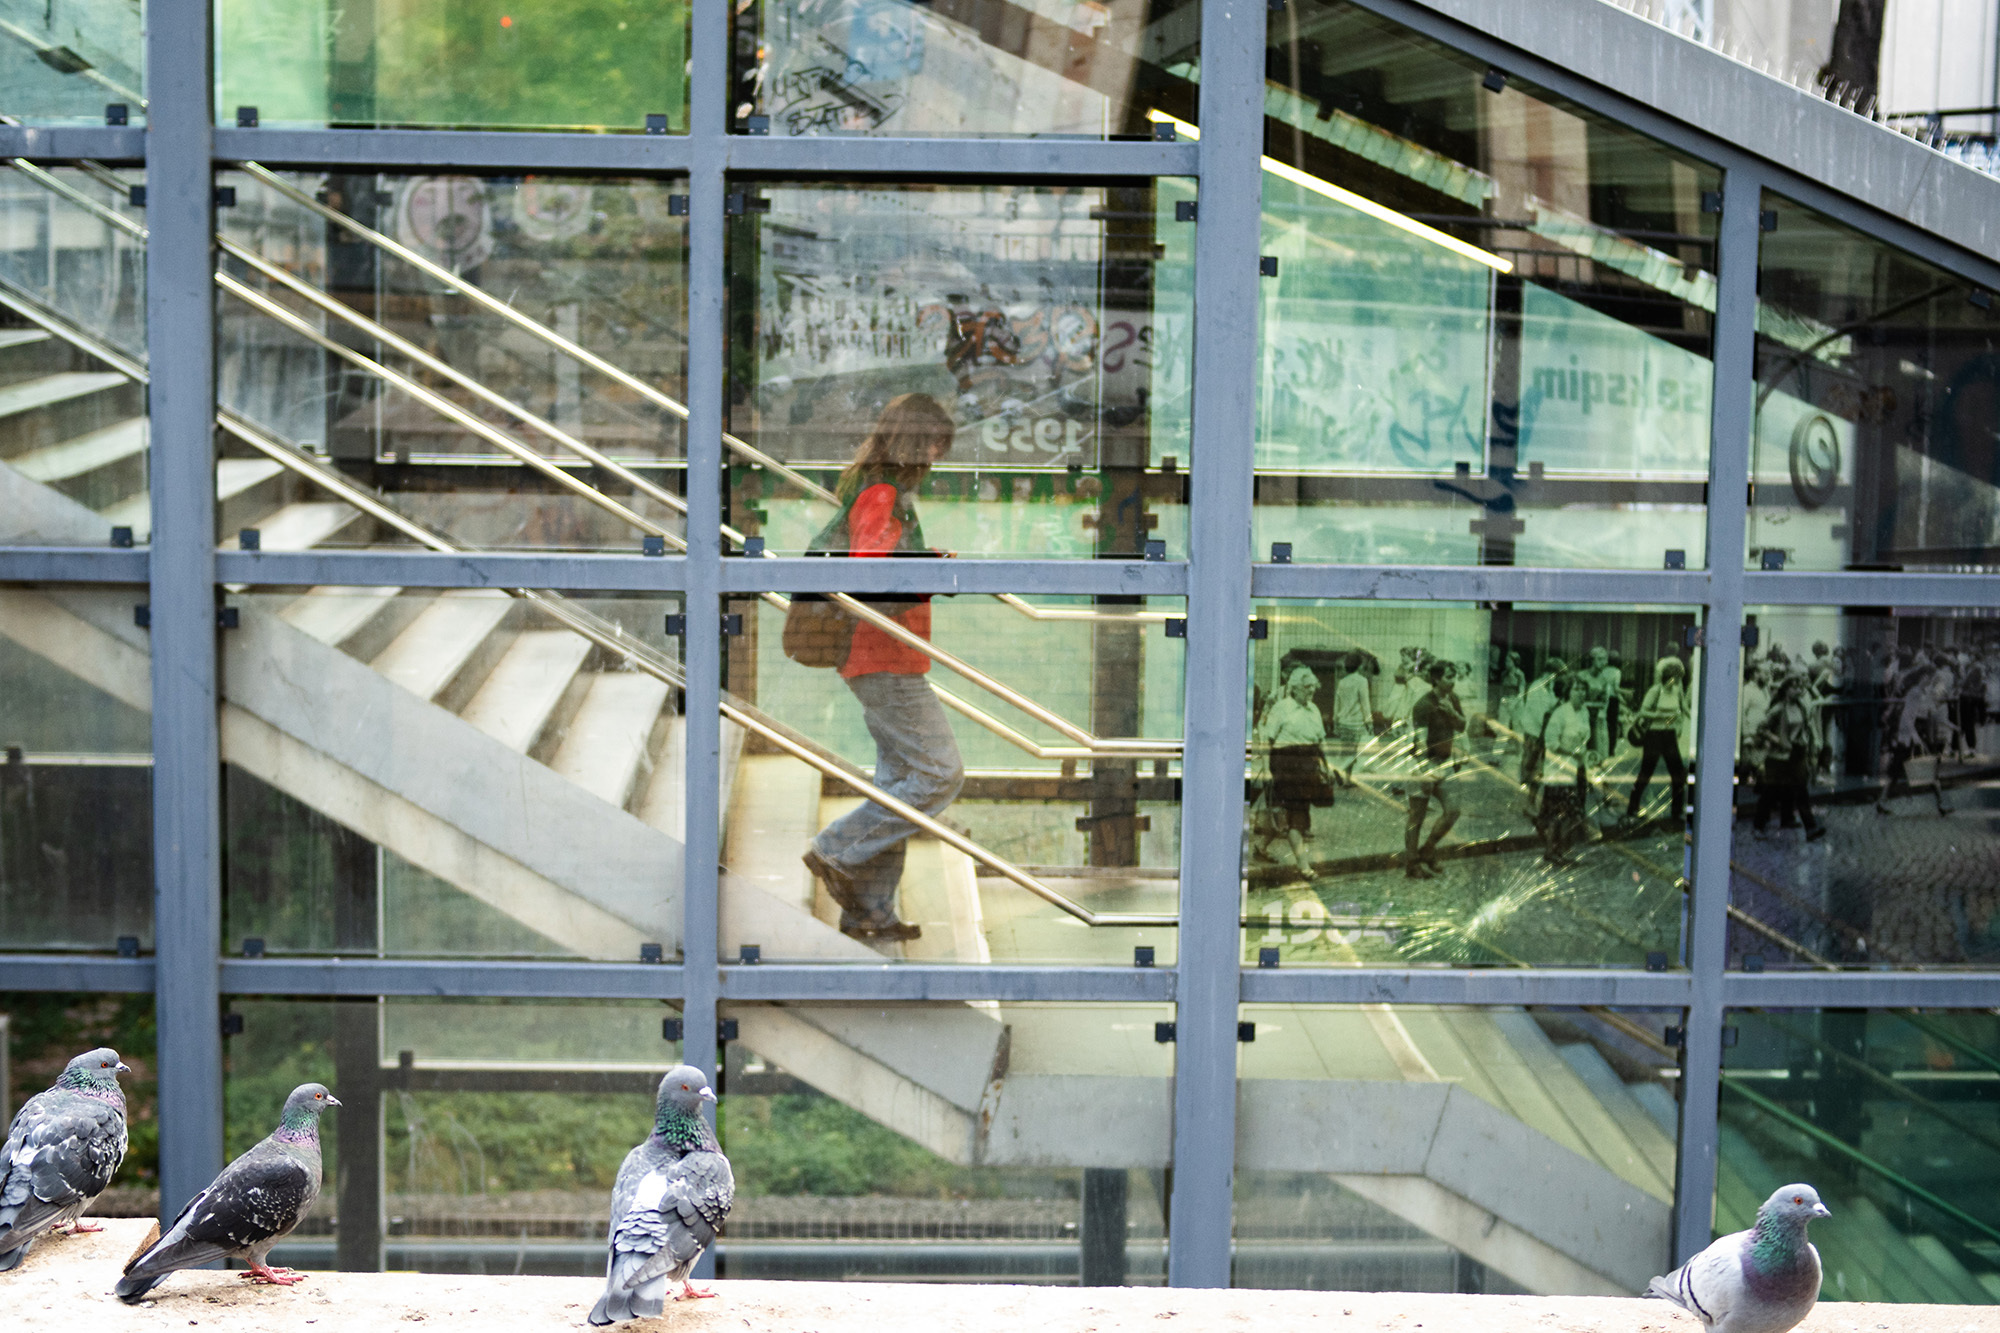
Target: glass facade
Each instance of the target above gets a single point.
(1457, 785)
(539, 542)
(1486, 319)
(597, 65)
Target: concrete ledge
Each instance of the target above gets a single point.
(66, 1283)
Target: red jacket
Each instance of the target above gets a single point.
(874, 530)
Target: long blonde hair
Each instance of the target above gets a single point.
(900, 444)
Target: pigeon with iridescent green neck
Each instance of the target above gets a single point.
(1764, 1280)
(672, 1193)
(61, 1152)
(250, 1207)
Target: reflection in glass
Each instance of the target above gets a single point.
(528, 64)
(1033, 745)
(943, 1143)
(1052, 323)
(1865, 758)
(1432, 783)
(73, 430)
(1878, 385)
(1891, 1115)
(76, 770)
(1487, 339)
(1076, 68)
(473, 1136)
(73, 61)
(416, 773)
(1507, 1150)
(500, 361)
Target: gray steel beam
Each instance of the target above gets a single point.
(1053, 577)
(1806, 589)
(1021, 985)
(1485, 986)
(708, 99)
(67, 143)
(958, 157)
(1861, 990)
(425, 150)
(1481, 583)
(446, 978)
(504, 150)
(1225, 418)
(1707, 937)
(187, 847)
(426, 569)
(57, 972)
(73, 564)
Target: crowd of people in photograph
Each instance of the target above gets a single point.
(1417, 730)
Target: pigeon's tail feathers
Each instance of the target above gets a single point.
(1663, 1287)
(644, 1300)
(172, 1255)
(131, 1289)
(14, 1254)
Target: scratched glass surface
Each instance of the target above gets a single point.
(1485, 317)
(1878, 398)
(1045, 329)
(1093, 69)
(1438, 784)
(73, 62)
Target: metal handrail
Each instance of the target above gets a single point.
(95, 75)
(534, 327)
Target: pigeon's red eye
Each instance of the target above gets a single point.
(1797, 1199)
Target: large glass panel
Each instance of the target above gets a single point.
(1469, 785)
(73, 430)
(1892, 1116)
(457, 773)
(1033, 743)
(1487, 337)
(500, 361)
(1878, 386)
(1014, 358)
(1087, 69)
(601, 65)
(944, 1143)
(42, 1031)
(68, 62)
(76, 770)
(1423, 1148)
(472, 1137)
(1865, 767)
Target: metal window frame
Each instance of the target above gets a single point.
(181, 148)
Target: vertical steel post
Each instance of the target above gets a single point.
(1730, 425)
(180, 332)
(708, 125)
(1225, 372)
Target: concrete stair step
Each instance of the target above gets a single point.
(50, 390)
(443, 640)
(608, 741)
(333, 615)
(522, 691)
(299, 526)
(102, 448)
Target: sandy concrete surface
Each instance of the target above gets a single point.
(66, 1284)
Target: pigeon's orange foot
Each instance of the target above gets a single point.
(80, 1228)
(692, 1293)
(274, 1277)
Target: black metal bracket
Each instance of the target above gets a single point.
(1260, 629)
(246, 117)
(225, 196)
(117, 113)
(1267, 266)
(128, 946)
(1695, 636)
(652, 545)
(228, 617)
(1281, 553)
(750, 954)
(756, 124)
(656, 123)
(136, 196)
(725, 1030)
(1142, 955)
(1267, 956)
(1164, 1033)
(250, 539)
(1767, 220)
(732, 625)
(1185, 210)
(1156, 551)
(1177, 627)
(1495, 80)
(1711, 201)
(670, 1029)
(121, 537)
(652, 953)
(1771, 558)
(677, 624)
(142, 615)
(753, 546)
(1677, 559)
(736, 205)
(232, 1025)
(1656, 961)
(1748, 636)
(253, 946)
(1246, 1032)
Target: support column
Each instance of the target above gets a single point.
(1105, 1191)
(700, 924)
(1225, 415)
(1730, 427)
(358, 1184)
(180, 303)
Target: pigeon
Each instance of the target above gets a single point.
(61, 1152)
(250, 1207)
(672, 1193)
(1764, 1280)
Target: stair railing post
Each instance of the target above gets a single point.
(187, 826)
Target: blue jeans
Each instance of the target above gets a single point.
(916, 761)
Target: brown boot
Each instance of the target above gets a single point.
(839, 884)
